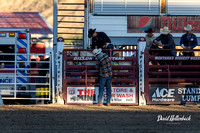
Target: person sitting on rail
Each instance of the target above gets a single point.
(167, 42)
(188, 40)
(98, 38)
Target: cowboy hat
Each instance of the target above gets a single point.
(149, 30)
(97, 51)
(188, 28)
(165, 30)
(91, 32)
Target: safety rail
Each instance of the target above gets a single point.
(80, 77)
(25, 79)
(172, 79)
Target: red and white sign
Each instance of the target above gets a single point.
(90, 95)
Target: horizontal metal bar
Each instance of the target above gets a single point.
(22, 90)
(47, 84)
(9, 76)
(97, 73)
(174, 80)
(172, 73)
(196, 67)
(184, 50)
(98, 86)
(174, 85)
(123, 50)
(92, 67)
(76, 80)
(27, 98)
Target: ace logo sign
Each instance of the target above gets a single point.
(163, 93)
(160, 94)
(174, 94)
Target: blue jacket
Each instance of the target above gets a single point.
(167, 41)
(189, 40)
(102, 39)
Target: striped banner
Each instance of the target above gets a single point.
(22, 57)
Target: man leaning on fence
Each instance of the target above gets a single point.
(105, 75)
(99, 39)
(167, 41)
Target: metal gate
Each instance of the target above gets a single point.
(172, 79)
(25, 78)
(80, 77)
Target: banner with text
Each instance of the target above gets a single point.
(90, 95)
(138, 24)
(174, 94)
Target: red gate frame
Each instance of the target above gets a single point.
(70, 58)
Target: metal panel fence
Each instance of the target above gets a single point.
(172, 79)
(80, 77)
(23, 78)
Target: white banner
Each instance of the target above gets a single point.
(90, 95)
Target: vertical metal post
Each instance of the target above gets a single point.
(85, 36)
(141, 48)
(55, 30)
(55, 19)
(51, 77)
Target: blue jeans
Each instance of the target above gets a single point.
(104, 82)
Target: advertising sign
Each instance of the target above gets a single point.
(174, 94)
(138, 24)
(6, 80)
(90, 95)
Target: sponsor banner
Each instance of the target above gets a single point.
(6, 80)
(90, 95)
(90, 58)
(177, 58)
(138, 24)
(174, 94)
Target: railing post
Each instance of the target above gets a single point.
(141, 48)
(85, 25)
(59, 58)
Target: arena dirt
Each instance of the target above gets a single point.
(89, 119)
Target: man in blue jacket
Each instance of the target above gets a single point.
(188, 40)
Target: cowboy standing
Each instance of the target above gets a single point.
(99, 39)
(188, 40)
(105, 75)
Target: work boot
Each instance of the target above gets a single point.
(108, 104)
(98, 105)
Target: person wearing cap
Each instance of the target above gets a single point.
(149, 39)
(167, 41)
(99, 39)
(188, 40)
(105, 75)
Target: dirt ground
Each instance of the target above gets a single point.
(89, 119)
